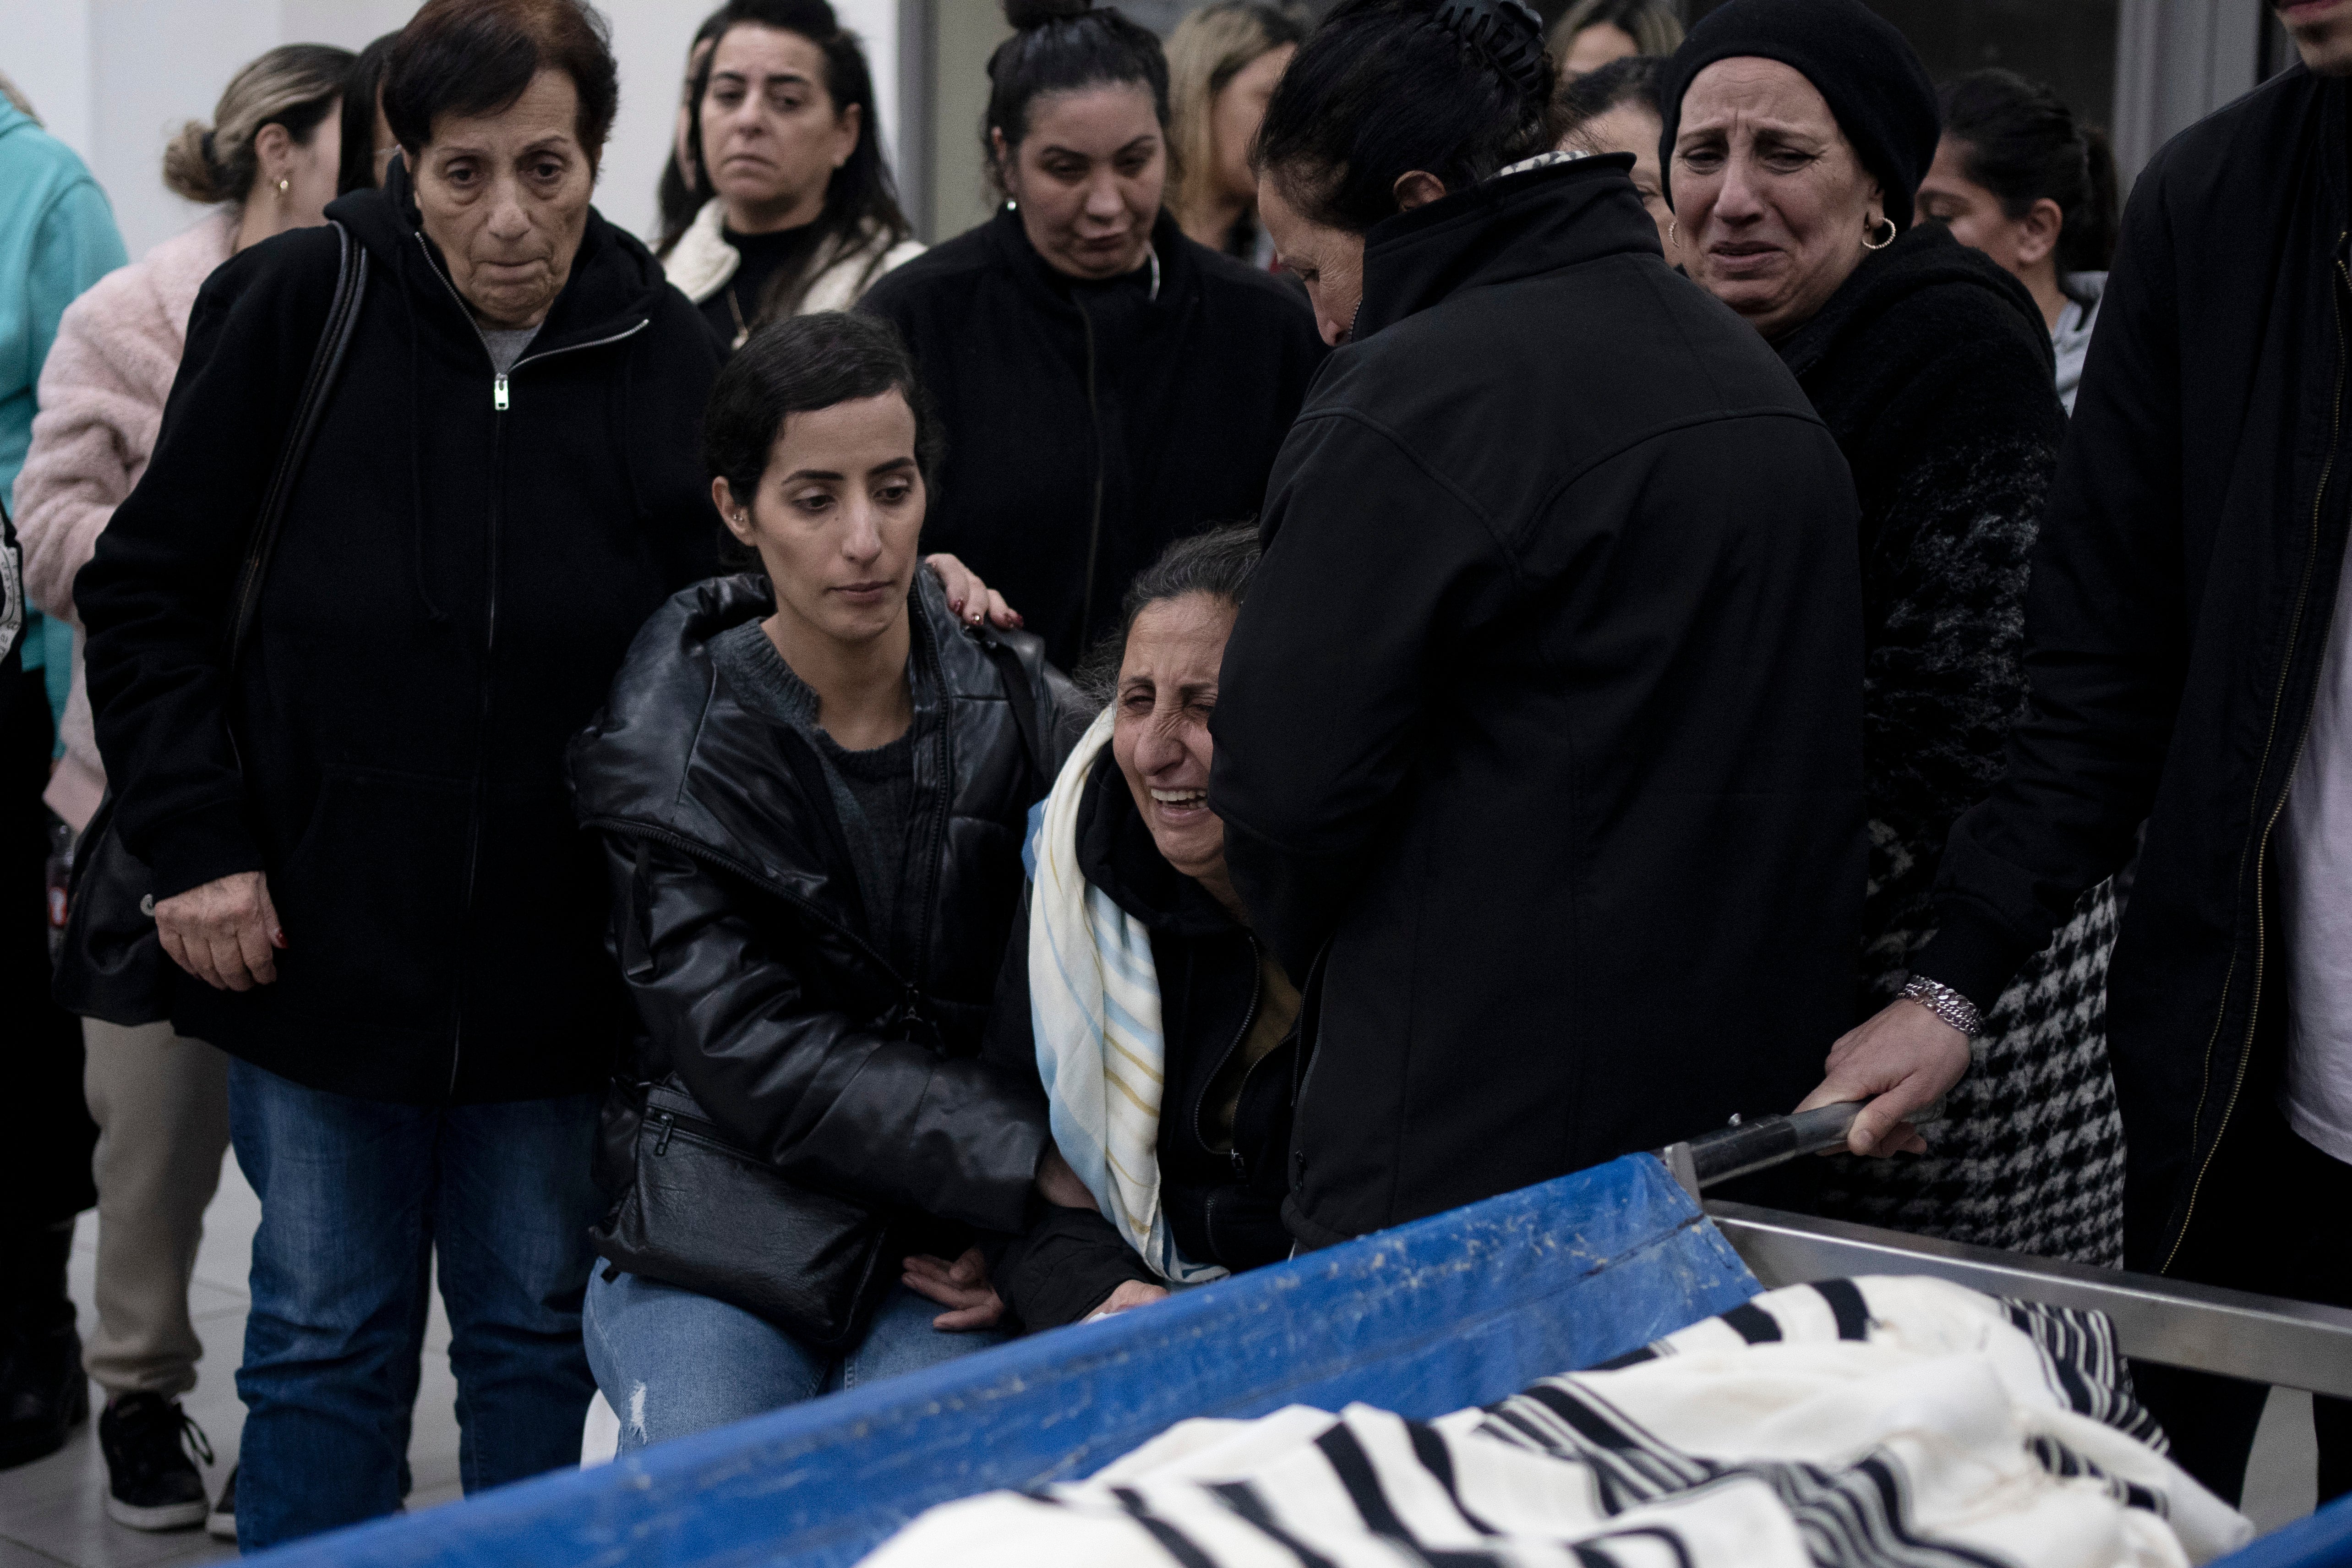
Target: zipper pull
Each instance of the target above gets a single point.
(499, 394)
(668, 1123)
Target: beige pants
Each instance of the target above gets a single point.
(160, 1103)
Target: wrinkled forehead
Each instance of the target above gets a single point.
(1755, 94)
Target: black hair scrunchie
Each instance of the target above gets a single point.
(1507, 32)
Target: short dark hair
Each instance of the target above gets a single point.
(2020, 141)
(477, 57)
(798, 365)
(1585, 98)
(1384, 87)
(1064, 45)
(1219, 562)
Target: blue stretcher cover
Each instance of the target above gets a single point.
(1457, 1310)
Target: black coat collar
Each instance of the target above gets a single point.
(1924, 258)
(1178, 269)
(1513, 226)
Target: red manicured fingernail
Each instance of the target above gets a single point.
(277, 937)
(956, 604)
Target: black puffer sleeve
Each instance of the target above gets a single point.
(788, 1074)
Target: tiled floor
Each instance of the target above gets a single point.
(53, 1512)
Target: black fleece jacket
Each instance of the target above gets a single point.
(1933, 369)
(2182, 591)
(1541, 733)
(1223, 1206)
(763, 986)
(460, 568)
(1085, 429)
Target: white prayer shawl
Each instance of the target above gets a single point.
(1094, 1008)
(1881, 1422)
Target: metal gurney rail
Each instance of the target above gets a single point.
(2264, 1339)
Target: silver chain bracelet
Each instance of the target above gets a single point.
(1947, 1003)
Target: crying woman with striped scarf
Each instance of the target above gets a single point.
(1161, 1032)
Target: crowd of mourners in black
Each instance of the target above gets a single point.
(1167, 761)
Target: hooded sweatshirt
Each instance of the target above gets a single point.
(464, 559)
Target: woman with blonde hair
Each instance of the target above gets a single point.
(269, 162)
(1223, 62)
(1592, 33)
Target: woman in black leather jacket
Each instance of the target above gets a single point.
(1126, 844)
(811, 785)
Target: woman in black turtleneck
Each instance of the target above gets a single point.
(800, 215)
(1106, 384)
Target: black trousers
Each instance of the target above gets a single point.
(45, 1159)
(2270, 1218)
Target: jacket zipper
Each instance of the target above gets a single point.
(2261, 844)
(942, 798)
(1249, 1017)
(745, 871)
(1093, 526)
(498, 403)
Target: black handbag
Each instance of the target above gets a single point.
(699, 1213)
(112, 965)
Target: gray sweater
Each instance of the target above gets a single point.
(873, 791)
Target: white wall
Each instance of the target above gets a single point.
(114, 78)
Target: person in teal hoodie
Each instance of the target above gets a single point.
(57, 238)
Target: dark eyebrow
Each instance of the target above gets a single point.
(746, 78)
(892, 467)
(1148, 139)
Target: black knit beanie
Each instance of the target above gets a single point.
(1855, 59)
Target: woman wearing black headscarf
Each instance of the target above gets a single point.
(1797, 132)
(1539, 741)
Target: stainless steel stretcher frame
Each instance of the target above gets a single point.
(2263, 1339)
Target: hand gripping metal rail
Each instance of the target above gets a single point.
(2266, 1339)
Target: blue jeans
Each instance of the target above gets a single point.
(671, 1362)
(357, 1197)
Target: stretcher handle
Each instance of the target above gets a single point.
(1746, 1147)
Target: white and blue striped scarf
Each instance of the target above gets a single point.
(1094, 1008)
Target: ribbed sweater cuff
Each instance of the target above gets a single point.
(1973, 954)
(203, 846)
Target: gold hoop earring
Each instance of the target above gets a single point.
(1891, 233)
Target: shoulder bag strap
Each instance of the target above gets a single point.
(326, 363)
(1023, 697)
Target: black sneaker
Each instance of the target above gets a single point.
(150, 1483)
(221, 1523)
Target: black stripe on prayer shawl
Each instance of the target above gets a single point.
(1752, 1323)
(1846, 1305)
(1354, 1467)
(1590, 1555)
(1173, 1540)
(1243, 1500)
(1438, 1461)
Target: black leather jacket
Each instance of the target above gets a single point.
(739, 933)
(1223, 1206)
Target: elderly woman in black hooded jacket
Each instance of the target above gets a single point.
(1539, 741)
(1795, 134)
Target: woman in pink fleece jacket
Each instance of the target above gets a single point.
(269, 163)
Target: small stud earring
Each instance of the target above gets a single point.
(283, 185)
